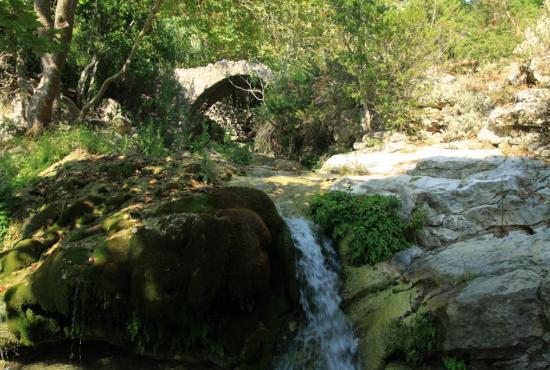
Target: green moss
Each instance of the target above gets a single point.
(47, 215)
(375, 317)
(188, 203)
(116, 222)
(54, 282)
(81, 211)
(154, 285)
(453, 363)
(24, 253)
(50, 238)
(27, 320)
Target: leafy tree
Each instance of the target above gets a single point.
(18, 25)
(105, 33)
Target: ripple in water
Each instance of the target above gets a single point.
(326, 343)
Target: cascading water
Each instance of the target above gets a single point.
(326, 342)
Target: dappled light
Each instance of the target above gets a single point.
(275, 185)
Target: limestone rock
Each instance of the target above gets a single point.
(464, 196)
(487, 135)
(481, 267)
(531, 109)
(541, 71)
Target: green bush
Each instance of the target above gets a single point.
(367, 226)
(307, 112)
(234, 152)
(27, 157)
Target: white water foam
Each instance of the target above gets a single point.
(326, 342)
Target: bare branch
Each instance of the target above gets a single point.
(250, 89)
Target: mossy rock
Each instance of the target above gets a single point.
(208, 273)
(27, 320)
(80, 210)
(46, 216)
(23, 254)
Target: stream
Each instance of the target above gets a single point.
(324, 338)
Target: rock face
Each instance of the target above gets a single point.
(480, 270)
(205, 275)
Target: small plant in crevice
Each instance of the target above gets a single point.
(368, 227)
(453, 363)
(413, 340)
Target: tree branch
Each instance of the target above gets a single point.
(139, 38)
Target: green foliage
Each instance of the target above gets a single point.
(421, 339)
(208, 171)
(234, 152)
(26, 157)
(135, 330)
(107, 30)
(418, 219)
(368, 225)
(301, 108)
(481, 30)
(452, 363)
(4, 221)
(18, 24)
(413, 339)
(150, 142)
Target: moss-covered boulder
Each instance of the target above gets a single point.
(24, 253)
(209, 274)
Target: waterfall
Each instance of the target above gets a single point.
(326, 342)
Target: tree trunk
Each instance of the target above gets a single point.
(139, 38)
(40, 109)
(87, 77)
(22, 83)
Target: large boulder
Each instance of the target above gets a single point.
(486, 298)
(206, 275)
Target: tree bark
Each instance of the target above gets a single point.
(85, 81)
(40, 109)
(139, 38)
(22, 83)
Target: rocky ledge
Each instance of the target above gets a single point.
(475, 290)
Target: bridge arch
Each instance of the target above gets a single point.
(231, 85)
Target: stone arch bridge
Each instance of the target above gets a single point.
(223, 80)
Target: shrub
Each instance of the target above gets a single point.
(451, 363)
(307, 112)
(149, 141)
(367, 226)
(421, 338)
(414, 339)
(234, 152)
